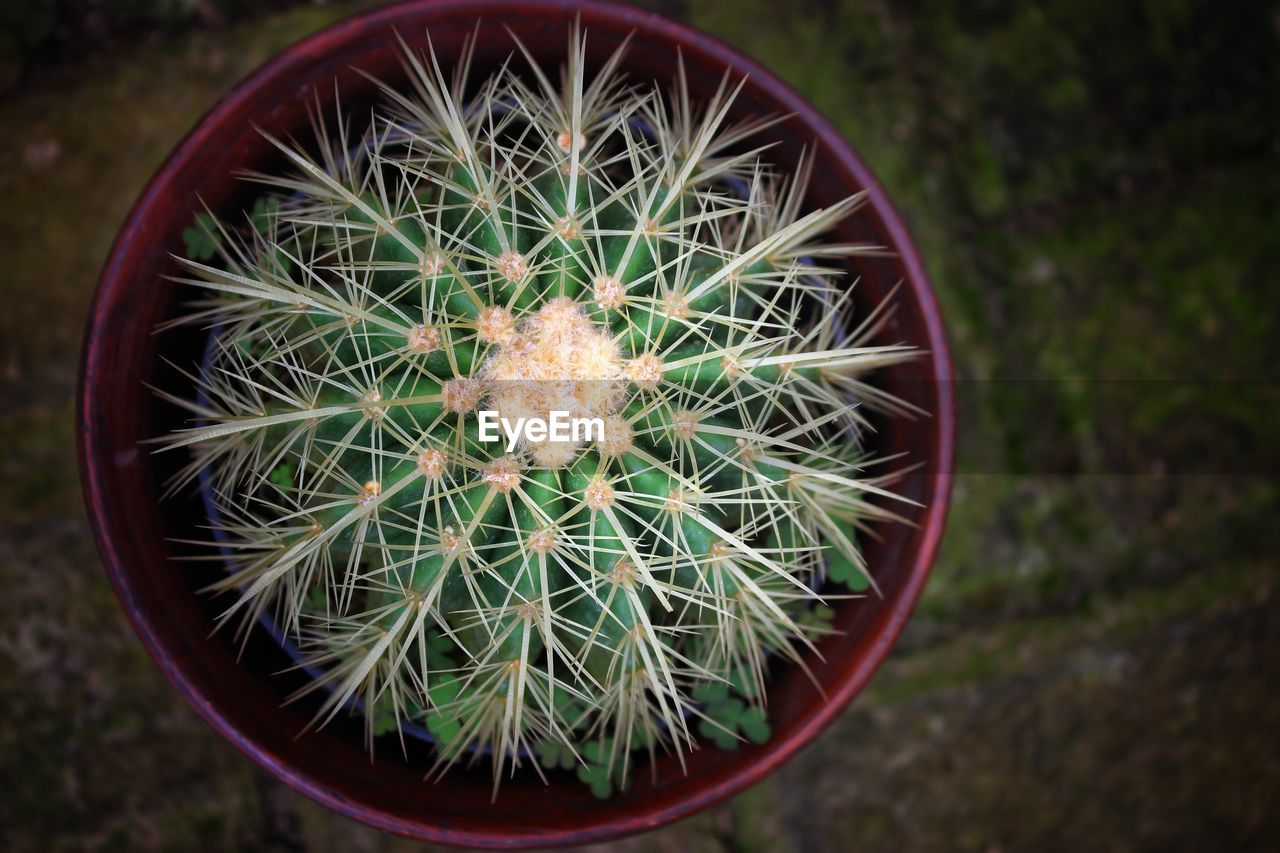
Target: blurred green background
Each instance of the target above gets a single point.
(1095, 187)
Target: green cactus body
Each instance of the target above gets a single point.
(527, 248)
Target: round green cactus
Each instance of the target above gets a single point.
(522, 247)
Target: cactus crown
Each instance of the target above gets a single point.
(527, 246)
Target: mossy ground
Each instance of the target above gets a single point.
(1095, 187)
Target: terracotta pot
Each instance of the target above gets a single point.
(135, 528)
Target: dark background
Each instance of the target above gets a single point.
(1095, 187)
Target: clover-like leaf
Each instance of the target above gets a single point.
(555, 753)
(843, 570)
(202, 238)
(742, 682)
(282, 475)
(711, 692)
(383, 719)
(754, 725)
(818, 617)
(594, 771)
(264, 213)
(728, 720)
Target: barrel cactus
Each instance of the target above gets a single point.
(507, 252)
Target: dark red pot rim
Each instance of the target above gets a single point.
(98, 473)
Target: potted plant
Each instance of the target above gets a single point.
(390, 325)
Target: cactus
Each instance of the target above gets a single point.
(525, 246)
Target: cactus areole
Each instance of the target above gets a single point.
(570, 414)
